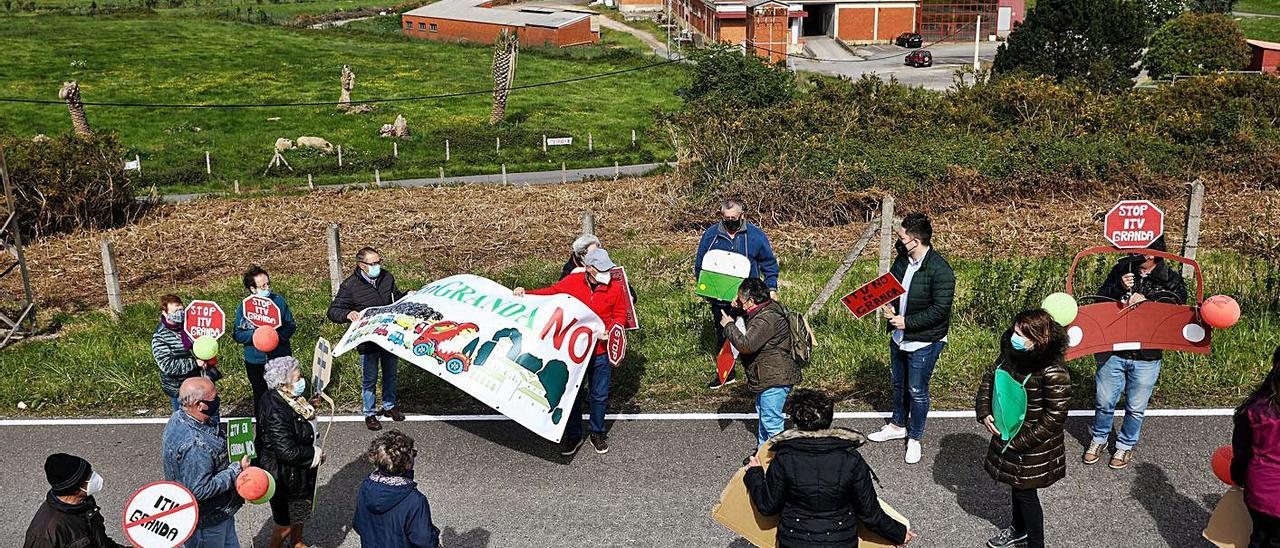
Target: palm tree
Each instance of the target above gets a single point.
(71, 94)
(504, 73)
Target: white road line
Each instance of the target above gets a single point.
(1218, 412)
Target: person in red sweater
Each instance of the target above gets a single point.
(607, 300)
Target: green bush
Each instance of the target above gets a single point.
(727, 76)
(1159, 11)
(1194, 44)
(1098, 42)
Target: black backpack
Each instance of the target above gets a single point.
(802, 345)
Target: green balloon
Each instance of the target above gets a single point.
(205, 347)
(271, 490)
(1062, 307)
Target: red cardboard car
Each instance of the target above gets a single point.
(1106, 325)
(428, 343)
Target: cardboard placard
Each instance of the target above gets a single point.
(617, 345)
(240, 437)
(873, 294)
(736, 512)
(204, 318)
(161, 514)
(321, 366)
(261, 311)
(620, 275)
(1230, 525)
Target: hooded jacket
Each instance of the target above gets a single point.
(822, 488)
(356, 294)
(61, 525)
(392, 513)
(765, 348)
(1036, 456)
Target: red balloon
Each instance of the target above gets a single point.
(1220, 311)
(1222, 464)
(265, 339)
(252, 483)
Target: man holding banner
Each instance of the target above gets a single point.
(596, 289)
(370, 286)
(728, 252)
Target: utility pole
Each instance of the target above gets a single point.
(977, 39)
(666, 4)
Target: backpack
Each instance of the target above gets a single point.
(802, 346)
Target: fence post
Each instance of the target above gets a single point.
(377, 177)
(112, 275)
(617, 171)
(208, 167)
(564, 177)
(544, 144)
(395, 150)
(138, 160)
(1191, 238)
(310, 185)
(237, 185)
(633, 137)
(886, 233)
(588, 222)
(339, 155)
(446, 150)
(504, 174)
(335, 263)
(497, 144)
(441, 174)
(591, 145)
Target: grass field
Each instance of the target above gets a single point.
(1258, 6)
(1260, 28)
(200, 60)
(100, 367)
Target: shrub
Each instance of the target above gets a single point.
(69, 182)
(1194, 44)
(1098, 42)
(729, 77)
(1211, 6)
(1159, 11)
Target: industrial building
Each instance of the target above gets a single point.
(481, 21)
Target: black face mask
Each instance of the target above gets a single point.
(732, 225)
(212, 405)
(900, 247)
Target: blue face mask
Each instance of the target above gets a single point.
(264, 293)
(299, 387)
(1018, 342)
(375, 270)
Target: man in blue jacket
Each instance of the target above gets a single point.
(735, 235)
(195, 455)
(258, 282)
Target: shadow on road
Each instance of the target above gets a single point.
(513, 437)
(475, 538)
(1080, 429)
(336, 505)
(958, 469)
(1178, 517)
(740, 543)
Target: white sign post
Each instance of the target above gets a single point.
(161, 514)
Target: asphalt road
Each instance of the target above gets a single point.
(888, 60)
(493, 484)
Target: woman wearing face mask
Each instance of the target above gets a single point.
(286, 448)
(69, 515)
(1033, 355)
(171, 348)
(258, 283)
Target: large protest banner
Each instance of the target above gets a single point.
(524, 357)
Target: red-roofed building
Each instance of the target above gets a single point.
(1265, 56)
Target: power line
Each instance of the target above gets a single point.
(330, 103)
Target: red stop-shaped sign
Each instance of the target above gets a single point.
(617, 346)
(204, 318)
(261, 312)
(1134, 224)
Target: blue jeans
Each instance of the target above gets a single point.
(369, 381)
(222, 535)
(769, 407)
(911, 372)
(599, 373)
(1136, 379)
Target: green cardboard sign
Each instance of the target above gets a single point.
(240, 439)
(1009, 406)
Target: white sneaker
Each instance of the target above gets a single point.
(913, 451)
(889, 432)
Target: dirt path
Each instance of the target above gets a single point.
(644, 36)
(341, 22)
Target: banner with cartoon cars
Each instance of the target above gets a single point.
(524, 357)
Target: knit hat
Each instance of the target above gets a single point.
(66, 473)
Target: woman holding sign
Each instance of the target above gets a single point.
(286, 448)
(266, 310)
(1023, 403)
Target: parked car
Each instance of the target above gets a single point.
(920, 58)
(909, 40)
(1104, 325)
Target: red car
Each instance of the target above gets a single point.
(1106, 325)
(429, 341)
(920, 58)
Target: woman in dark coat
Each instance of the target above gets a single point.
(1033, 352)
(286, 448)
(390, 510)
(818, 482)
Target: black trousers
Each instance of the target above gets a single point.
(1266, 530)
(1028, 517)
(259, 384)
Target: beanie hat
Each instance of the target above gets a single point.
(66, 473)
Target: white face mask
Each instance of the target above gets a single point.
(95, 485)
(603, 277)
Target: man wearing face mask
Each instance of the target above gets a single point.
(69, 516)
(171, 349)
(195, 455)
(258, 282)
(370, 285)
(608, 300)
(1134, 279)
(918, 322)
(734, 234)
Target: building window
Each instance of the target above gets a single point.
(434, 28)
(954, 20)
(421, 25)
(408, 25)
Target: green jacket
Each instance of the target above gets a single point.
(933, 288)
(765, 348)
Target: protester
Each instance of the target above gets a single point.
(1255, 462)
(765, 351)
(195, 455)
(608, 300)
(581, 246)
(918, 321)
(1132, 280)
(390, 510)
(735, 235)
(1033, 353)
(258, 283)
(69, 517)
(171, 348)
(370, 285)
(286, 448)
(819, 482)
